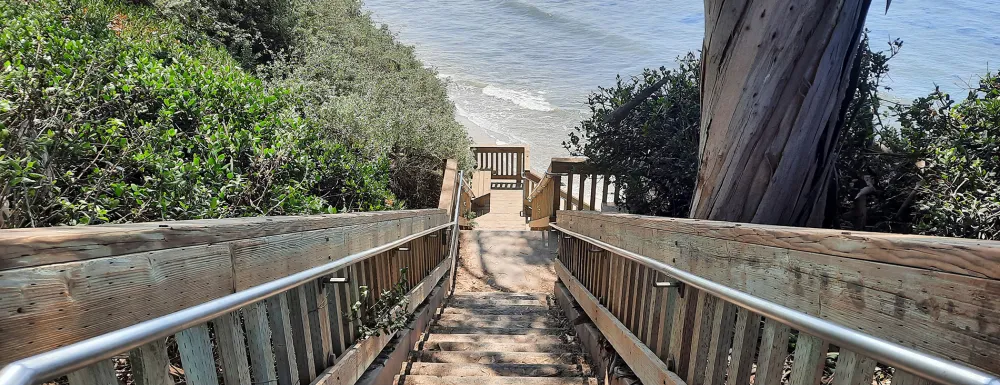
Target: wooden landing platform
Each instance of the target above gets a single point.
(505, 211)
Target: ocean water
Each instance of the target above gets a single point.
(521, 70)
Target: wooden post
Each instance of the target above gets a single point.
(150, 365)
(446, 201)
(196, 355)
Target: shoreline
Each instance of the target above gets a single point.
(477, 133)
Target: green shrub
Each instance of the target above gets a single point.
(106, 116)
(654, 149)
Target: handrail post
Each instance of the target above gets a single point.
(557, 188)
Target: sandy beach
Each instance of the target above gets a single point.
(478, 134)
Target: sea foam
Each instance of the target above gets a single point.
(521, 98)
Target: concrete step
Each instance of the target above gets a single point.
(509, 318)
(507, 310)
(495, 330)
(460, 346)
(494, 302)
(492, 370)
(487, 338)
(454, 380)
(497, 324)
(498, 358)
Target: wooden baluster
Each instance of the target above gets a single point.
(633, 290)
(298, 318)
(604, 191)
(232, 350)
(151, 366)
(744, 347)
(100, 373)
(259, 341)
(580, 195)
(680, 331)
(668, 301)
(197, 360)
(281, 336)
(626, 303)
(556, 181)
(317, 298)
(773, 351)
(616, 272)
(723, 325)
(593, 192)
(701, 337)
(569, 192)
(337, 304)
(853, 369)
(809, 360)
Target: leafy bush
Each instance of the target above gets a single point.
(105, 116)
(349, 77)
(654, 149)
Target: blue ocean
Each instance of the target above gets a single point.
(520, 71)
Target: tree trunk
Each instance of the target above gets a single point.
(777, 76)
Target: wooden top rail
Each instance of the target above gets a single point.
(939, 296)
(63, 285)
(507, 162)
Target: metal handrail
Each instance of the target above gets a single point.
(54, 363)
(900, 357)
(453, 246)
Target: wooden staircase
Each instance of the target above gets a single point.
(497, 338)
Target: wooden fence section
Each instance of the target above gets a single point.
(506, 162)
(936, 295)
(64, 285)
(579, 186)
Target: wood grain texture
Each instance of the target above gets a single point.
(259, 341)
(723, 326)
(281, 339)
(643, 362)
(745, 347)
(45, 307)
(853, 369)
(773, 351)
(950, 315)
(298, 318)
(101, 373)
(232, 349)
(21, 248)
(319, 324)
(808, 360)
(775, 74)
(150, 364)
(900, 377)
(197, 359)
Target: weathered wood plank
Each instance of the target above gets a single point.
(745, 347)
(150, 364)
(853, 369)
(970, 257)
(337, 305)
(940, 313)
(259, 341)
(101, 373)
(808, 360)
(773, 351)
(45, 307)
(232, 349)
(319, 325)
(646, 365)
(281, 339)
(298, 318)
(196, 355)
(20, 248)
(900, 377)
(701, 337)
(723, 324)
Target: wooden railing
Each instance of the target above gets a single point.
(506, 162)
(59, 286)
(937, 296)
(579, 186)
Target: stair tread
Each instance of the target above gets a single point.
(474, 302)
(472, 337)
(505, 310)
(498, 357)
(465, 346)
(496, 370)
(499, 317)
(495, 330)
(545, 324)
(457, 380)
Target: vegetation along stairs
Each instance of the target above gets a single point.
(497, 338)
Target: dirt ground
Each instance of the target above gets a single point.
(506, 261)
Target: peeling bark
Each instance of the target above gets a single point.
(776, 75)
